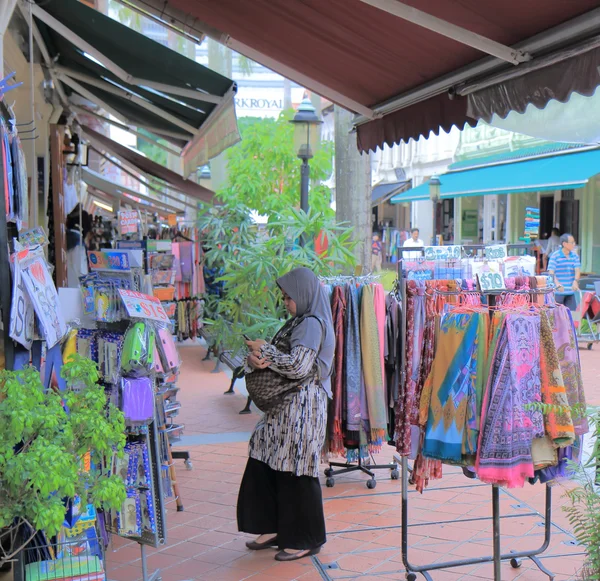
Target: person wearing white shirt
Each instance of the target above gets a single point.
(413, 242)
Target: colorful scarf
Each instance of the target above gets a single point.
(415, 320)
(380, 312)
(449, 410)
(558, 421)
(563, 332)
(372, 368)
(513, 384)
(353, 366)
(336, 437)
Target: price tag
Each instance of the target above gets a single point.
(491, 281)
(496, 252)
(140, 306)
(443, 252)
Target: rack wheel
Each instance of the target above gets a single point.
(516, 563)
(188, 464)
(395, 475)
(411, 577)
(590, 346)
(330, 482)
(328, 472)
(371, 483)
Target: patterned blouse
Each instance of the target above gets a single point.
(290, 438)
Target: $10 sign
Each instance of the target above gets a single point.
(491, 281)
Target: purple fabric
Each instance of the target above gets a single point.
(138, 399)
(186, 259)
(561, 469)
(563, 331)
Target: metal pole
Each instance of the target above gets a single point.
(496, 533)
(304, 179)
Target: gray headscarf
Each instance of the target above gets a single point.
(304, 288)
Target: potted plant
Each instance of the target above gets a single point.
(45, 436)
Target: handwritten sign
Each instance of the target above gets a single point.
(140, 306)
(496, 252)
(443, 252)
(128, 221)
(115, 260)
(491, 281)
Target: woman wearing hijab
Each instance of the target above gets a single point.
(280, 495)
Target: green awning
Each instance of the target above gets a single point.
(148, 84)
(558, 172)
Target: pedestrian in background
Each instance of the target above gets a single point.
(376, 253)
(565, 267)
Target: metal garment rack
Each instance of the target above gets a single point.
(359, 466)
(497, 557)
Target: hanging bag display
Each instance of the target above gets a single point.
(267, 388)
(137, 359)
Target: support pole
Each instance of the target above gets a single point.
(304, 181)
(496, 533)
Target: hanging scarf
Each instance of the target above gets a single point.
(372, 368)
(558, 422)
(379, 306)
(353, 366)
(563, 332)
(336, 437)
(415, 320)
(514, 383)
(449, 411)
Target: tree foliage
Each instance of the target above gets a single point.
(44, 436)
(249, 261)
(264, 170)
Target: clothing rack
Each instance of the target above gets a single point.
(359, 466)
(497, 556)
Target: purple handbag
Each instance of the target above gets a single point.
(138, 399)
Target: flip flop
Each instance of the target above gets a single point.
(283, 556)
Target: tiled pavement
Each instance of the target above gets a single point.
(364, 532)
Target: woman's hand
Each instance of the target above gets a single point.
(257, 362)
(255, 345)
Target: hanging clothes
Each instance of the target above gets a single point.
(352, 371)
(372, 368)
(508, 425)
(336, 435)
(563, 331)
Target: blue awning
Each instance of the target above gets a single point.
(567, 171)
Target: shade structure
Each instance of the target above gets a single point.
(566, 171)
(383, 192)
(138, 80)
(125, 194)
(403, 78)
(189, 188)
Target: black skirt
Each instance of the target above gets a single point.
(280, 502)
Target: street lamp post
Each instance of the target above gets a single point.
(307, 138)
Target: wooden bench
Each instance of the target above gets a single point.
(235, 362)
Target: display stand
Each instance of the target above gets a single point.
(497, 557)
(348, 467)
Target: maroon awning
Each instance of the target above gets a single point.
(368, 60)
(148, 166)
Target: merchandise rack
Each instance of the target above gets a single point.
(497, 557)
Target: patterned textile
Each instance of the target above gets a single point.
(563, 332)
(336, 437)
(393, 347)
(372, 368)
(353, 366)
(415, 320)
(507, 426)
(290, 438)
(379, 306)
(449, 403)
(558, 422)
